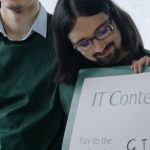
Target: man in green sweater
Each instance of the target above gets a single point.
(31, 117)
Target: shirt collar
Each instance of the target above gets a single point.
(39, 25)
(2, 28)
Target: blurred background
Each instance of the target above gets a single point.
(136, 8)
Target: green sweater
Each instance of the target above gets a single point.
(31, 116)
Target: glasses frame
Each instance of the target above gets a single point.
(110, 26)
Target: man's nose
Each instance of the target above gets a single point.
(98, 45)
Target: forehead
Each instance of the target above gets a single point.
(86, 26)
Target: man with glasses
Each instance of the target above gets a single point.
(31, 116)
(90, 34)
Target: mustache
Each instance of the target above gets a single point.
(98, 54)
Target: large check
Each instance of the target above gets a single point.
(110, 110)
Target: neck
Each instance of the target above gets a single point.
(18, 23)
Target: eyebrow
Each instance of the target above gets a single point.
(100, 26)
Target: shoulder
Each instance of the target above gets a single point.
(49, 22)
(49, 17)
(66, 93)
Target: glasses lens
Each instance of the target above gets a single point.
(84, 45)
(103, 32)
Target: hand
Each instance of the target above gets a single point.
(138, 65)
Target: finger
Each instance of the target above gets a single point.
(132, 66)
(135, 68)
(148, 61)
(133, 63)
(141, 66)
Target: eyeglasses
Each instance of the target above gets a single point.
(86, 44)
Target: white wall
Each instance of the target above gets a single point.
(49, 5)
(139, 11)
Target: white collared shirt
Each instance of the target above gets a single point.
(39, 25)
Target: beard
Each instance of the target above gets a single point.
(111, 59)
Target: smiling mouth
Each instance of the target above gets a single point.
(104, 52)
